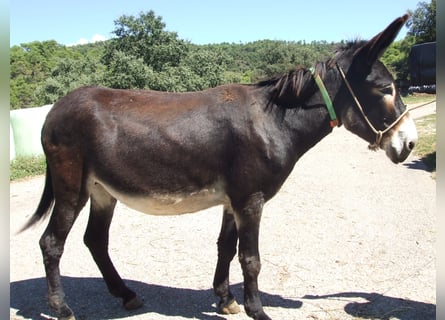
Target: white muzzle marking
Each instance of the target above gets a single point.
(403, 139)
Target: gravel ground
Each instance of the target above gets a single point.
(349, 236)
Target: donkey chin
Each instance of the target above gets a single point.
(401, 141)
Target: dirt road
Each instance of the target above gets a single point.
(349, 236)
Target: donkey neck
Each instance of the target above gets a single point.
(299, 107)
(307, 127)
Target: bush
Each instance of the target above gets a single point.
(22, 167)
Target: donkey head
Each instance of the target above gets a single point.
(373, 109)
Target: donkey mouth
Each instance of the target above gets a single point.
(399, 149)
(399, 146)
(398, 156)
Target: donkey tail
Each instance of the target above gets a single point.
(46, 202)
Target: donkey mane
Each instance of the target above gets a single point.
(292, 89)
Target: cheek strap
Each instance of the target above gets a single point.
(379, 134)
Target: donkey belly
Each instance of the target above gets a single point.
(172, 203)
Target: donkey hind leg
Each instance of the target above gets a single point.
(226, 251)
(248, 224)
(66, 209)
(96, 239)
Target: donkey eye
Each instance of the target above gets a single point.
(386, 90)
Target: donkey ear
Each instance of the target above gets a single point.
(372, 50)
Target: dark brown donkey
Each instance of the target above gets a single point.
(234, 145)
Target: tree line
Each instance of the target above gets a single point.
(144, 55)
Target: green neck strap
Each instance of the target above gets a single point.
(326, 98)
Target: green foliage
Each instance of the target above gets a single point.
(125, 71)
(145, 55)
(207, 67)
(422, 28)
(144, 37)
(30, 65)
(396, 57)
(22, 167)
(422, 24)
(253, 61)
(67, 75)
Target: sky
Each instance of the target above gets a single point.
(206, 21)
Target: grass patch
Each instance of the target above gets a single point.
(418, 98)
(22, 167)
(426, 146)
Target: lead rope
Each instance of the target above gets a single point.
(379, 134)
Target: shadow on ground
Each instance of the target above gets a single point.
(427, 163)
(90, 299)
(381, 307)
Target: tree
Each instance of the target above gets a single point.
(422, 24)
(21, 93)
(145, 55)
(67, 75)
(422, 28)
(125, 71)
(144, 37)
(395, 57)
(30, 65)
(207, 66)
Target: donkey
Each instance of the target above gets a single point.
(233, 145)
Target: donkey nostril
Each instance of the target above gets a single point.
(411, 145)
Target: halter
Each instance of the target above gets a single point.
(334, 122)
(326, 98)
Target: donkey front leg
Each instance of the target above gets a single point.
(227, 241)
(248, 224)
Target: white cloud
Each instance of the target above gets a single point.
(98, 38)
(82, 41)
(95, 38)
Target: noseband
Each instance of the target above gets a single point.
(334, 122)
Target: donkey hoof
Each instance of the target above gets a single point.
(133, 303)
(231, 308)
